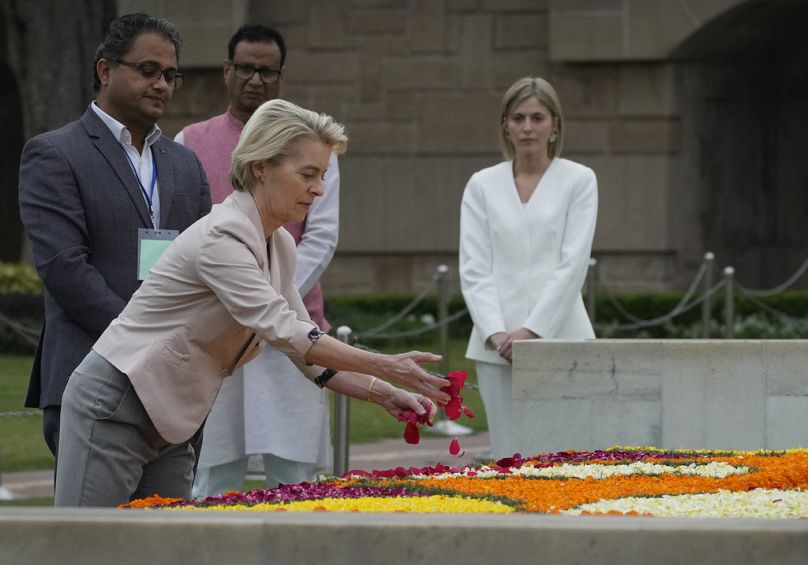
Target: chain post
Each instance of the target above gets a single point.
(442, 425)
(442, 280)
(707, 304)
(591, 283)
(729, 302)
(341, 417)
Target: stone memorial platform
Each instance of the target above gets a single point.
(721, 394)
(91, 537)
(712, 394)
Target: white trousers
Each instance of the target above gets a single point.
(496, 382)
(218, 479)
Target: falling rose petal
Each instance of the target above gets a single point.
(411, 433)
(469, 414)
(454, 447)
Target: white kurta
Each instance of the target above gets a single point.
(265, 407)
(524, 265)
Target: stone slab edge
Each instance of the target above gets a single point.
(90, 536)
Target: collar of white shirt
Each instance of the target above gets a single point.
(121, 132)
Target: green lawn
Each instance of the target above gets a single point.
(45, 501)
(23, 448)
(21, 444)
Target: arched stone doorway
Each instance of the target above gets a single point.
(745, 149)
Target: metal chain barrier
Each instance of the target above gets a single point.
(754, 299)
(785, 285)
(21, 414)
(704, 277)
(417, 331)
(374, 332)
(672, 314)
(684, 305)
(26, 333)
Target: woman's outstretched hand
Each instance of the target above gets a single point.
(397, 401)
(405, 369)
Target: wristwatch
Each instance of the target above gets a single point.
(315, 334)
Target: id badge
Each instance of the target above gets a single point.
(150, 245)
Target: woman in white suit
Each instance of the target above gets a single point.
(526, 229)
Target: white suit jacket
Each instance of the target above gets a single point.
(524, 265)
(218, 294)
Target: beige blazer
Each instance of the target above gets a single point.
(217, 296)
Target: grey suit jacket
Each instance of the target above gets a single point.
(81, 206)
(216, 297)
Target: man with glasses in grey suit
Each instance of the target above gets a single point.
(100, 195)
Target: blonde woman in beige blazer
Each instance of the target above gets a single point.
(221, 292)
(526, 229)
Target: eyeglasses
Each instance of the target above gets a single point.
(153, 72)
(246, 72)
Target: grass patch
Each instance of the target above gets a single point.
(44, 501)
(22, 446)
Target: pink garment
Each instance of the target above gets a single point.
(213, 141)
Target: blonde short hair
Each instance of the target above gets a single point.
(271, 133)
(522, 89)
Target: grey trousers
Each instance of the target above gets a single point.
(109, 451)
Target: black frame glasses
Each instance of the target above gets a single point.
(245, 72)
(153, 72)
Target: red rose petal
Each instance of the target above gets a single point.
(454, 408)
(411, 433)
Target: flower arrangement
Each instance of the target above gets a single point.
(620, 480)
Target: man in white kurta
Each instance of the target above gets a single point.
(263, 408)
(523, 265)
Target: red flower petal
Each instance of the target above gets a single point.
(408, 416)
(411, 433)
(454, 408)
(469, 414)
(454, 447)
(459, 377)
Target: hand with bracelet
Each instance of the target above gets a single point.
(351, 371)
